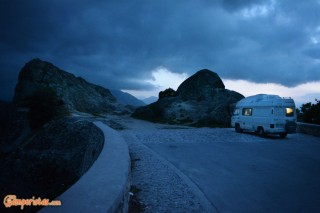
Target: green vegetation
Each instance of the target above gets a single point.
(310, 112)
(44, 105)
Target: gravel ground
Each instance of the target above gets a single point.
(163, 188)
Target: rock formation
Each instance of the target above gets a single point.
(52, 159)
(201, 86)
(43, 148)
(76, 93)
(201, 100)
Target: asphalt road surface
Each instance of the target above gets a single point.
(241, 172)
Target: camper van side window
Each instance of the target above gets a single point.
(236, 112)
(289, 112)
(247, 111)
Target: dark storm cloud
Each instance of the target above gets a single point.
(235, 5)
(117, 43)
(314, 53)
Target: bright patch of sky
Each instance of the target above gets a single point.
(258, 10)
(162, 78)
(302, 93)
(315, 36)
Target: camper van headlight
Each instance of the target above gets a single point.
(289, 112)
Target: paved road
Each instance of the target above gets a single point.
(243, 172)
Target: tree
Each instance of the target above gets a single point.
(310, 113)
(167, 93)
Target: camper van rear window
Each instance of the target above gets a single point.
(247, 111)
(289, 112)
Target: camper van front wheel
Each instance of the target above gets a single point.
(261, 131)
(238, 128)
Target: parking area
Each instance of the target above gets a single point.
(241, 172)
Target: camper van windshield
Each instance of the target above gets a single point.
(236, 111)
(289, 112)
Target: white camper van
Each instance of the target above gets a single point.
(265, 114)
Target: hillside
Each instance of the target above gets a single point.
(150, 100)
(126, 98)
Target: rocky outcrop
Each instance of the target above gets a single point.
(14, 127)
(76, 93)
(44, 159)
(52, 159)
(201, 100)
(200, 86)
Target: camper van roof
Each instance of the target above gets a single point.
(264, 99)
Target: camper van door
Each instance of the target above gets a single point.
(246, 117)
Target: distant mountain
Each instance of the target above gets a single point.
(201, 100)
(126, 98)
(150, 100)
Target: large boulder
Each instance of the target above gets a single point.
(76, 93)
(200, 86)
(201, 100)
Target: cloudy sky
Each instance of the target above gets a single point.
(143, 46)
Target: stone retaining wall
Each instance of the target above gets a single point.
(310, 129)
(105, 186)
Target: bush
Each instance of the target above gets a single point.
(310, 113)
(44, 105)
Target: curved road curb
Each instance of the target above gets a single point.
(105, 186)
(208, 206)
